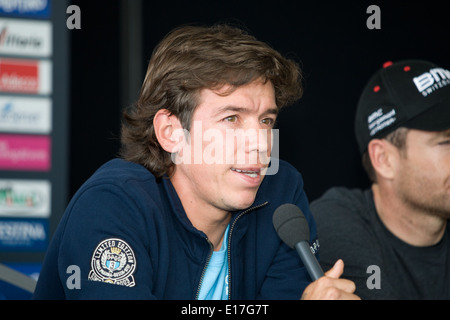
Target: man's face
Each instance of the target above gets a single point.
(424, 172)
(229, 143)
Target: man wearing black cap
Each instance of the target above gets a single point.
(394, 236)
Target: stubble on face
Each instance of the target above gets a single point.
(424, 176)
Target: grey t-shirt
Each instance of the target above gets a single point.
(381, 265)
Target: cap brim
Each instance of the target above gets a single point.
(436, 118)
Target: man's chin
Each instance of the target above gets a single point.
(242, 204)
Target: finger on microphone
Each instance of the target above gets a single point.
(342, 284)
(337, 270)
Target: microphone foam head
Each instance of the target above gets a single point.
(290, 224)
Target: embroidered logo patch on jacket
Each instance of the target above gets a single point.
(114, 262)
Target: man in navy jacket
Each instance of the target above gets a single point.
(187, 212)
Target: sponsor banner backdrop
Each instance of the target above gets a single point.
(30, 269)
(25, 198)
(34, 112)
(25, 76)
(23, 234)
(10, 292)
(25, 115)
(19, 152)
(25, 8)
(25, 38)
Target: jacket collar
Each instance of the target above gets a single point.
(177, 207)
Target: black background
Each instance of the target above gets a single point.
(332, 43)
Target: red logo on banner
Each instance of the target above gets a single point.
(20, 76)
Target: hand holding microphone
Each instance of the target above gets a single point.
(292, 227)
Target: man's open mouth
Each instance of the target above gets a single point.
(254, 173)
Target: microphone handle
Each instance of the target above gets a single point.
(309, 260)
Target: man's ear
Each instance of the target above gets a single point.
(168, 130)
(384, 157)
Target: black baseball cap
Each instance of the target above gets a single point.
(412, 93)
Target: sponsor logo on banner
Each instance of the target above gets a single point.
(23, 234)
(25, 76)
(25, 198)
(25, 115)
(25, 153)
(25, 37)
(25, 8)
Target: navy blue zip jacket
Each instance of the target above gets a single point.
(125, 235)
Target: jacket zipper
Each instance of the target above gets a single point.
(211, 250)
(229, 242)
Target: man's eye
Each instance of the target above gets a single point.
(231, 119)
(268, 121)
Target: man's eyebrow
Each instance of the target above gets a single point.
(272, 111)
(233, 108)
(440, 135)
(444, 134)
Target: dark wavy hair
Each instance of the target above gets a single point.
(192, 58)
